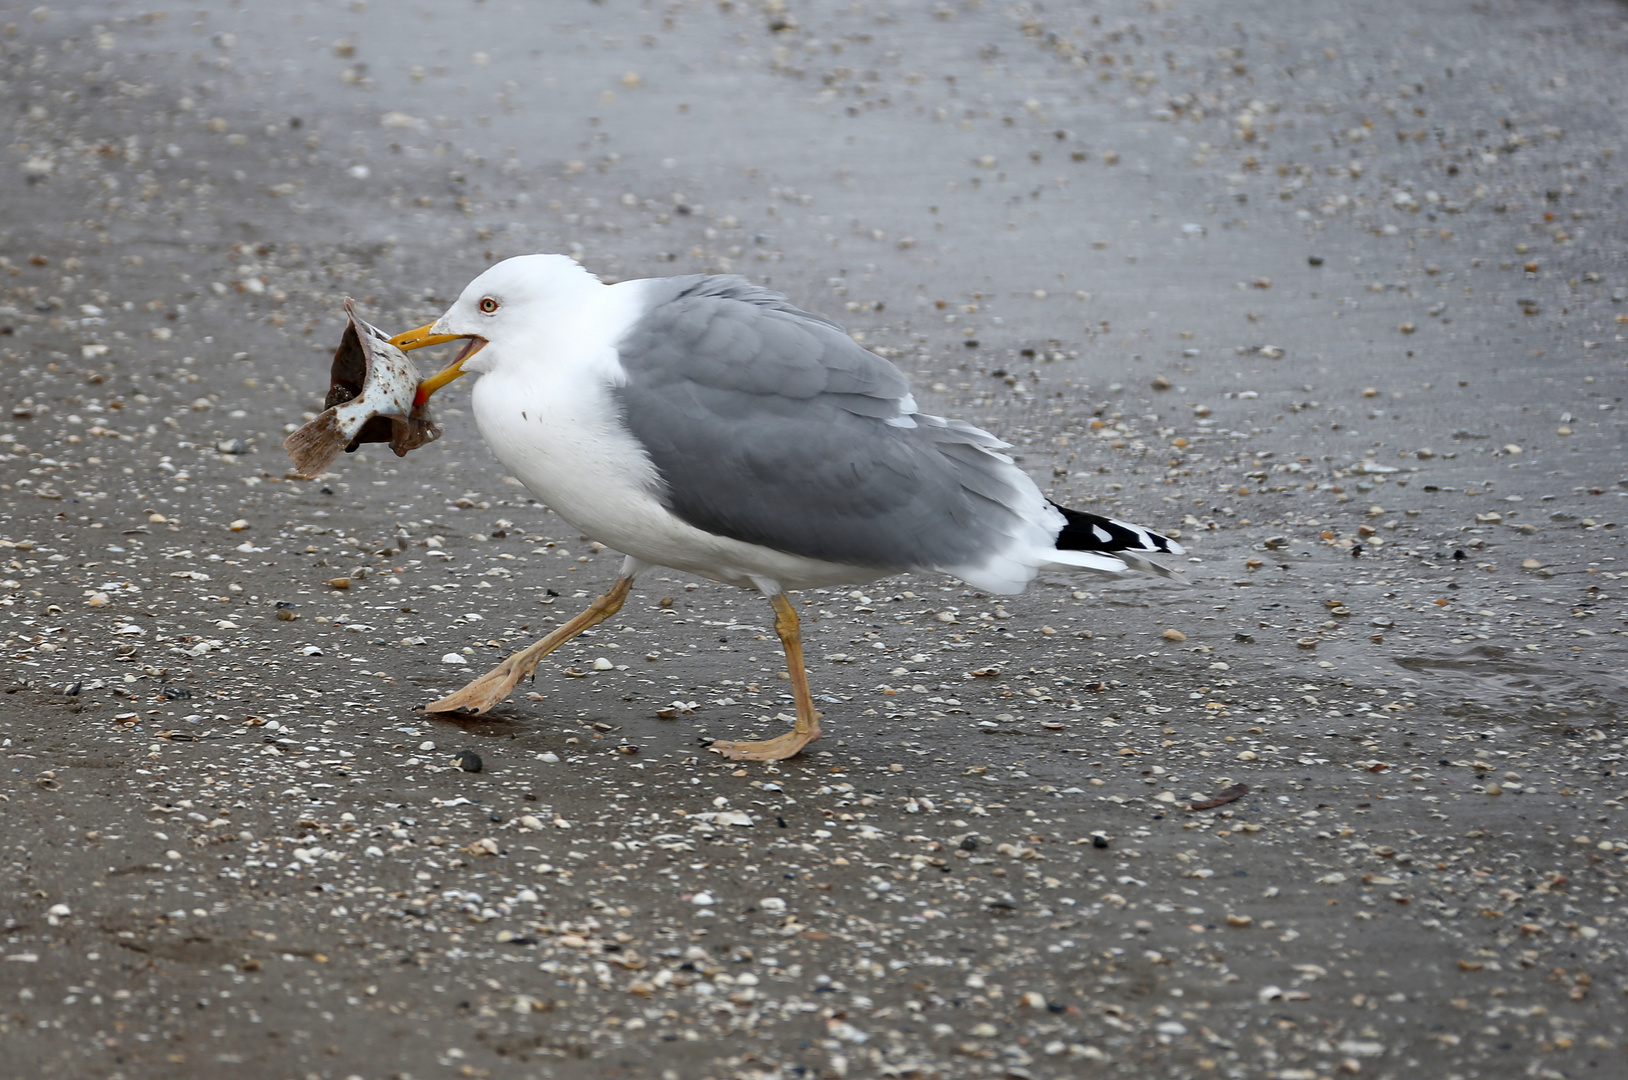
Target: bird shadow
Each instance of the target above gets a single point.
(485, 727)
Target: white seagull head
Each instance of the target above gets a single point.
(514, 300)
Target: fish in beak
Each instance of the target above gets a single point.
(373, 397)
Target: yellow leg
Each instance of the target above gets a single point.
(490, 689)
(807, 728)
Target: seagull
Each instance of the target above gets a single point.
(705, 424)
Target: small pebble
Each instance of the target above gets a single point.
(467, 760)
(1173, 634)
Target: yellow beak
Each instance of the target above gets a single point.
(418, 339)
(422, 338)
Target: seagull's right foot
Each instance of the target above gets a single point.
(778, 748)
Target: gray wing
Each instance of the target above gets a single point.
(770, 425)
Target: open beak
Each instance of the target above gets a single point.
(422, 338)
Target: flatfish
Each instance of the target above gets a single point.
(371, 398)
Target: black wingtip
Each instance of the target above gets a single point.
(1083, 531)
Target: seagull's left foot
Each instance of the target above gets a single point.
(486, 692)
(776, 749)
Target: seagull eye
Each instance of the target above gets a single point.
(488, 305)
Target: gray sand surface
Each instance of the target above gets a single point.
(1337, 292)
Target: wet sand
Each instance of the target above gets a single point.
(1338, 297)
